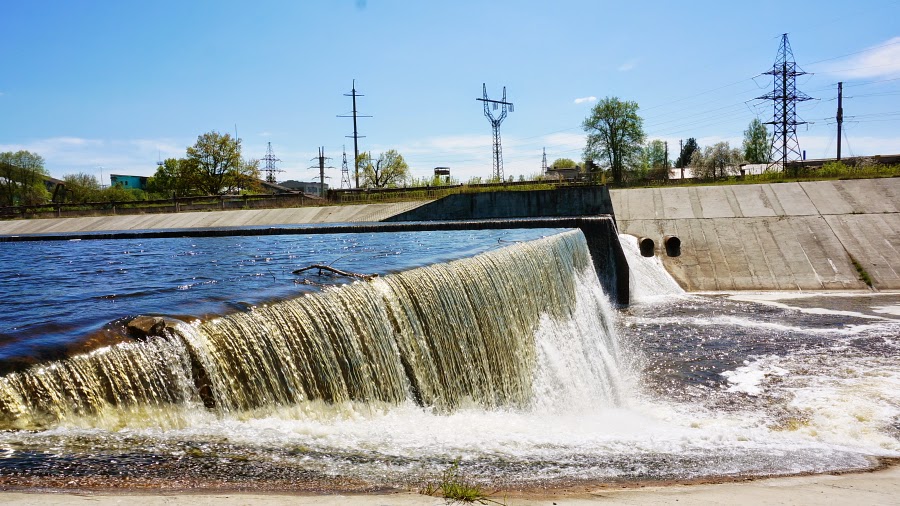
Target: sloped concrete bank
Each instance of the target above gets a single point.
(208, 219)
(783, 236)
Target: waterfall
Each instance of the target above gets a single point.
(649, 280)
(522, 327)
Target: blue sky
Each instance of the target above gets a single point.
(117, 84)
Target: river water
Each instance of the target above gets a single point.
(512, 364)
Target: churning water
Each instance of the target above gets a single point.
(511, 362)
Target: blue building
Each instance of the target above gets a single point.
(128, 182)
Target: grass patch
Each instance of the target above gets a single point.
(861, 272)
(455, 487)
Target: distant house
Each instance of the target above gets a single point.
(275, 188)
(128, 182)
(311, 188)
(564, 174)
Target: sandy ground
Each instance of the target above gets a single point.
(870, 488)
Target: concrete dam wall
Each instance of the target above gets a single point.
(783, 236)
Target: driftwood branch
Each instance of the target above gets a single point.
(339, 272)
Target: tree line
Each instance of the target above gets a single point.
(617, 145)
(214, 165)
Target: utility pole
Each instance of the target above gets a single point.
(504, 106)
(544, 163)
(345, 172)
(681, 156)
(321, 166)
(666, 163)
(840, 118)
(355, 135)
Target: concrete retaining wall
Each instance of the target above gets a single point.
(783, 236)
(209, 219)
(570, 201)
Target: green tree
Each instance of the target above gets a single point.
(82, 187)
(717, 161)
(615, 135)
(390, 169)
(215, 161)
(564, 163)
(175, 175)
(654, 164)
(22, 176)
(687, 152)
(757, 143)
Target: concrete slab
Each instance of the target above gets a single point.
(793, 199)
(753, 200)
(714, 202)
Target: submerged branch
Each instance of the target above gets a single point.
(339, 272)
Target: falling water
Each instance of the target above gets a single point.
(474, 331)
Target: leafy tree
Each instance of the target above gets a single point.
(654, 164)
(175, 175)
(564, 163)
(119, 194)
(717, 161)
(615, 135)
(22, 179)
(215, 160)
(687, 152)
(654, 155)
(390, 169)
(82, 187)
(757, 143)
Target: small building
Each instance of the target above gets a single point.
(128, 182)
(564, 173)
(312, 188)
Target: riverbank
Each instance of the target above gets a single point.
(870, 488)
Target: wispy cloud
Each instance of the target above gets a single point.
(880, 60)
(68, 155)
(627, 66)
(583, 100)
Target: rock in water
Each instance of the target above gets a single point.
(142, 327)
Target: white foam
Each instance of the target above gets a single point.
(748, 379)
(648, 281)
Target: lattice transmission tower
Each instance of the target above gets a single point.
(270, 168)
(345, 172)
(784, 95)
(504, 107)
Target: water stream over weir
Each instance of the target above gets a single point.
(441, 336)
(511, 363)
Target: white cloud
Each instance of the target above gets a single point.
(585, 99)
(627, 66)
(68, 155)
(881, 60)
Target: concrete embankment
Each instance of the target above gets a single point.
(784, 236)
(208, 219)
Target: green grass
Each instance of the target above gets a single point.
(861, 272)
(454, 487)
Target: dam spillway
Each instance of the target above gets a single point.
(435, 335)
